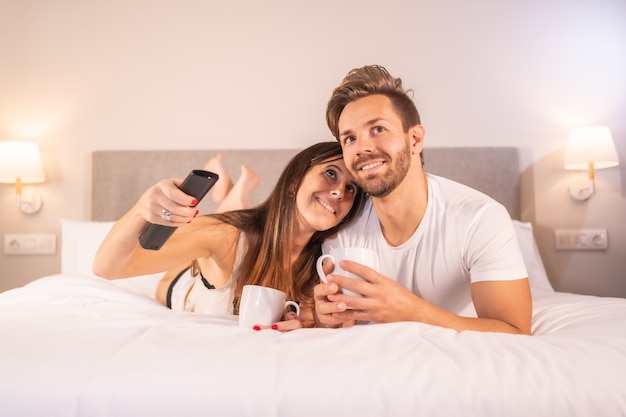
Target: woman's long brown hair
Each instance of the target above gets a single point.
(268, 228)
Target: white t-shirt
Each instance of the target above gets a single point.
(464, 237)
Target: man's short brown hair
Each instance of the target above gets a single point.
(367, 81)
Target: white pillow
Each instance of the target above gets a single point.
(536, 271)
(80, 241)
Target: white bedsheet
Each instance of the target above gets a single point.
(74, 345)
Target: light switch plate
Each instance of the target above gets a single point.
(30, 244)
(581, 239)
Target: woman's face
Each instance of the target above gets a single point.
(325, 196)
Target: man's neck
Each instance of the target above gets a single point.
(401, 212)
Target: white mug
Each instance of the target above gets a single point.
(263, 306)
(363, 256)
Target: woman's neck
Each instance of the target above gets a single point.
(299, 240)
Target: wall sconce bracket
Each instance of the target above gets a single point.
(30, 202)
(581, 189)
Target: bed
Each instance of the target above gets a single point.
(77, 345)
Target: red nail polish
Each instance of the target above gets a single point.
(194, 202)
(197, 211)
(275, 326)
(257, 328)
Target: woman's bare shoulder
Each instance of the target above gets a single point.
(211, 231)
(219, 243)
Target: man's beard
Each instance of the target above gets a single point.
(379, 185)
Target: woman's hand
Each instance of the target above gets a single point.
(291, 321)
(164, 203)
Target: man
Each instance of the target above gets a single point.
(448, 254)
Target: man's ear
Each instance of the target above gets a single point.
(416, 138)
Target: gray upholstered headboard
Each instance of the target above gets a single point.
(120, 177)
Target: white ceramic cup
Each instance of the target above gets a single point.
(263, 306)
(363, 256)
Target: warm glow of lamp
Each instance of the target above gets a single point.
(20, 163)
(589, 148)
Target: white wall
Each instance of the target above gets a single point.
(76, 76)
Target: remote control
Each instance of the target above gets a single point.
(197, 184)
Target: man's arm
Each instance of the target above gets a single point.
(501, 306)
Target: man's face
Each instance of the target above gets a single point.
(376, 149)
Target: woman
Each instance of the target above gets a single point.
(274, 244)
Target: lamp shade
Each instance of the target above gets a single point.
(590, 144)
(20, 160)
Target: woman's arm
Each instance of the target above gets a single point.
(120, 254)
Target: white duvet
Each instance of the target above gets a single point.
(80, 346)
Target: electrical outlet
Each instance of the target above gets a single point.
(30, 244)
(581, 239)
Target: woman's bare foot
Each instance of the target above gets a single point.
(239, 195)
(223, 186)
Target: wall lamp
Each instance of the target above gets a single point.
(20, 163)
(589, 148)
